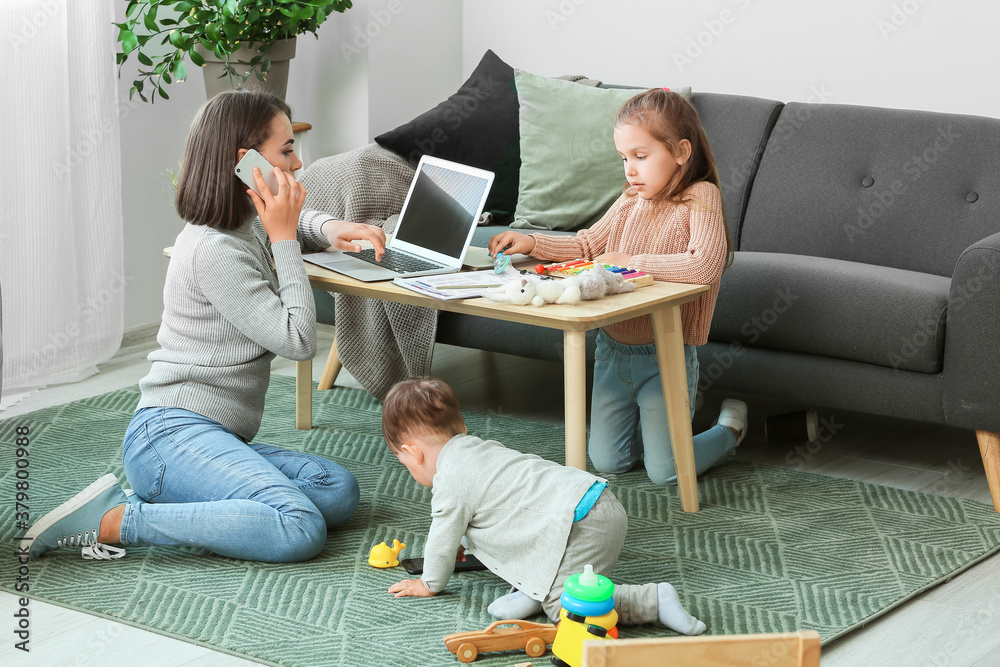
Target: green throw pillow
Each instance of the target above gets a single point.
(570, 171)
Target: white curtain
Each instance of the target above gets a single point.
(61, 238)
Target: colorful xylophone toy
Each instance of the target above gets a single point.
(567, 269)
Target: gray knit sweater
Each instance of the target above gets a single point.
(226, 313)
(515, 512)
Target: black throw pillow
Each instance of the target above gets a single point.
(476, 126)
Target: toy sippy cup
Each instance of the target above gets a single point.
(501, 263)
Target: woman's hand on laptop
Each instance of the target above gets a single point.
(511, 243)
(344, 235)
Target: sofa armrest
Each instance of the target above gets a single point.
(972, 339)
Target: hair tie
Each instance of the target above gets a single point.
(665, 88)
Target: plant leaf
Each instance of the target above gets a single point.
(196, 58)
(144, 59)
(129, 42)
(180, 70)
(150, 19)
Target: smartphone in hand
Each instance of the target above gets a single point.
(244, 170)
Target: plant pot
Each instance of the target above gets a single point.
(275, 80)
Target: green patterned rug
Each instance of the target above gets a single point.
(771, 550)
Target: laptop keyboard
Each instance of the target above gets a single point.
(395, 261)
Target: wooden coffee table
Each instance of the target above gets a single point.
(660, 300)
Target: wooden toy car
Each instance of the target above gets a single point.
(533, 637)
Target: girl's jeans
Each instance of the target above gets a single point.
(203, 486)
(628, 420)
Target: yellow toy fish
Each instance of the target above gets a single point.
(382, 555)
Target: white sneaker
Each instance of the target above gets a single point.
(734, 415)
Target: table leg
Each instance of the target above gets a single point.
(303, 394)
(669, 336)
(332, 368)
(575, 388)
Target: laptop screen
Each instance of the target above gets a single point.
(441, 209)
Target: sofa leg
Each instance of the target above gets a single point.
(332, 368)
(989, 448)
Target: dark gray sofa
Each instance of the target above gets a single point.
(867, 272)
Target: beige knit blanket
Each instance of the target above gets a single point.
(379, 343)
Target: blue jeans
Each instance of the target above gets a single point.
(203, 486)
(628, 420)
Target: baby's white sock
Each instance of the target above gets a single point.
(514, 605)
(672, 614)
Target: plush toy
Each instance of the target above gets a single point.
(587, 286)
(598, 281)
(518, 292)
(565, 291)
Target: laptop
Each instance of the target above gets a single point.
(435, 227)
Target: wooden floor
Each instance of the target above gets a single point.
(954, 624)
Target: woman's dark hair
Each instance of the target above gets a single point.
(670, 118)
(208, 192)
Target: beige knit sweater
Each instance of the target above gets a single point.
(682, 243)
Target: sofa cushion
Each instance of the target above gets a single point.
(570, 170)
(829, 307)
(738, 128)
(900, 188)
(475, 126)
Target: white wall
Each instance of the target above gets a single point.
(385, 61)
(373, 67)
(920, 54)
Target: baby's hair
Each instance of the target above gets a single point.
(208, 192)
(670, 118)
(420, 406)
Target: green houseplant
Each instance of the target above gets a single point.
(161, 33)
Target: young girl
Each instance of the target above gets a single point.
(668, 222)
(236, 295)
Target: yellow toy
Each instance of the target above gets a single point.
(382, 555)
(587, 613)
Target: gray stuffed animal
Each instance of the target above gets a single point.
(598, 281)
